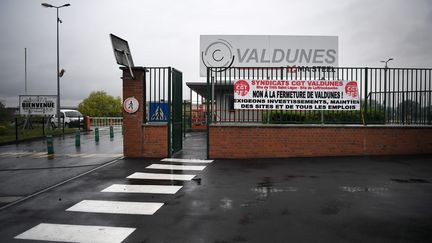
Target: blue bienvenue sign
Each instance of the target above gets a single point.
(158, 112)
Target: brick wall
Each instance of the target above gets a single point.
(155, 141)
(141, 140)
(311, 141)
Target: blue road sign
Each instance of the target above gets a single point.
(158, 112)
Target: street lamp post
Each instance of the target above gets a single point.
(385, 88)
(58, 56)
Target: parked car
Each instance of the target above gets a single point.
(72, 118)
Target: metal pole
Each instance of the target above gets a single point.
(25, 70)
(385, 94)
(365, 107)
(169, 112)
(58, 70)
(16, 129)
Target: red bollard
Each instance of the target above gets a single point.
(87, 123)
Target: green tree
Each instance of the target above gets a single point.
(100, 104)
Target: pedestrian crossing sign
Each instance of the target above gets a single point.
(158, 112)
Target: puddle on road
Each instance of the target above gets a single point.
(333, 207)
(266, 187)
(411, 180)
(291, 177)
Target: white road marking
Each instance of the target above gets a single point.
(15, 154)
(76, 233)
(158, 189)
(200, 161)
(156, 176)
(9, 199)
(88, 156)
(116, 207)
(39, 155)
(73, 155)
(175, 167)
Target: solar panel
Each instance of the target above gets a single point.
(121, 50)
(122, 53)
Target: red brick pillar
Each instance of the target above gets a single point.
(132, 139)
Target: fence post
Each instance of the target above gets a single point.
(16, 129)
(208, 117)
(365, 109)
(169, 112)
(43, 125)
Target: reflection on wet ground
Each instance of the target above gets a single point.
(266, 187)
(226, 203)
(410, 180)
(373, 189)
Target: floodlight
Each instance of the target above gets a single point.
(46, 5)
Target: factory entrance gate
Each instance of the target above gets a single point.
(155, 128)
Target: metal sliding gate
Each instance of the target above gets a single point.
(164, 102)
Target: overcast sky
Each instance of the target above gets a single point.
(166, 33)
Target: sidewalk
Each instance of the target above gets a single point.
(26, 168)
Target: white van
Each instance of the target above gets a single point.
(72, 118)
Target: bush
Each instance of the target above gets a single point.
(3, 129)
(4, 113)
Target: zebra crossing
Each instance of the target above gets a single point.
(156, 189)
(175, 167)
(92, 233)
(116, 207)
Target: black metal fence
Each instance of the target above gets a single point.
(164, 102)
(20, 128)
(388, 95)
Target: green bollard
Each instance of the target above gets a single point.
(50, 145)
(77, 138)
(96, 134)
(111, 132)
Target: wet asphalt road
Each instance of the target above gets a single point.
(345, 199)
(26, 168)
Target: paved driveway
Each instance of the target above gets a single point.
(345, 199)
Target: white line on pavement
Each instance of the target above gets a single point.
(200, 161)
(116, 207)
(157, 176)
(175, 167)
(158, 189)
(76, 233)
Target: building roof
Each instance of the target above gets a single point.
(201, 87)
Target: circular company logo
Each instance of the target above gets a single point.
(131, 105)
(351, 89)
(241, 87)
(218, 54)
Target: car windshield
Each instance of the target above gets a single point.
(73, 114)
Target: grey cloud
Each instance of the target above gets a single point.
(167, 33)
